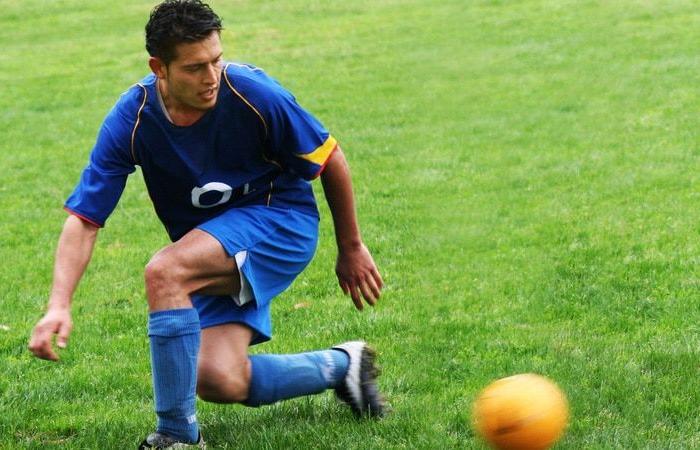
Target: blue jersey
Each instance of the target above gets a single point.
(257, 146)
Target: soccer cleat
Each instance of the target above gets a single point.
(359, 388)
(161, 441)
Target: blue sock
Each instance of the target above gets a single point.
(174, 338)
(279, 377)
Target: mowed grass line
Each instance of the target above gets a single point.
(525, 178)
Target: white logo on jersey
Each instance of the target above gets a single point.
(224, 188)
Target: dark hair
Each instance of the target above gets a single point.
(176, 21)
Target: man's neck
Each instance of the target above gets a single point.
(177, 114)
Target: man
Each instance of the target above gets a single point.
(226, 154)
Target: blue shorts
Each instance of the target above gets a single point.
(271, 247)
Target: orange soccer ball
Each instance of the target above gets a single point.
(522, 412)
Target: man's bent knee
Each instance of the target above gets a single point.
(159, 273)
(164, 282)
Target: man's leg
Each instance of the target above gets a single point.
(223, 367)
(226, 374)
(194, 263)
(198, 264)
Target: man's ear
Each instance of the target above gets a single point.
(158, 67)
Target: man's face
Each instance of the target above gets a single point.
(192, 79)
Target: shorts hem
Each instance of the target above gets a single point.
(258, 336)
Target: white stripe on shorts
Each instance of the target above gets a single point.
(246, 293)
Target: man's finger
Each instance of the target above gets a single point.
(377, 278)
(63, 333)
(40, 344)
(355, 294)
(43, 350)
(376, 290)
(367, 293)
(48, 354)
(39, 337)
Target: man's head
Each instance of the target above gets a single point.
(175, 22)
(182, 37)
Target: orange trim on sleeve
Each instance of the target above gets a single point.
(83, 218)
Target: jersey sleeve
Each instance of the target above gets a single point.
(103, 179)
(296, 137)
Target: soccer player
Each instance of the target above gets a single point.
(227, 155)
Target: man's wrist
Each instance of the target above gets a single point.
(349, 245)
(58, 304)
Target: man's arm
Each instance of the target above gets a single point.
(357, 273)
(72, 256)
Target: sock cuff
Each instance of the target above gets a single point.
(173, 322)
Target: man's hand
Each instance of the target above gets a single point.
(56, 321)
(72, 256)
(358, 275)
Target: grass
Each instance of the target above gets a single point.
(526, 179)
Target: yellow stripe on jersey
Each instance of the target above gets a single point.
(321, 154)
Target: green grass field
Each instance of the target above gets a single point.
(527, 179)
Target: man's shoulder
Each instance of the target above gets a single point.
(131, 101)
(123, 117)
(246, 73)
(252, 83)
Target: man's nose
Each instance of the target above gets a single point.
(212, 74)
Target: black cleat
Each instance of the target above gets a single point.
(359, 388)
(161, 441)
